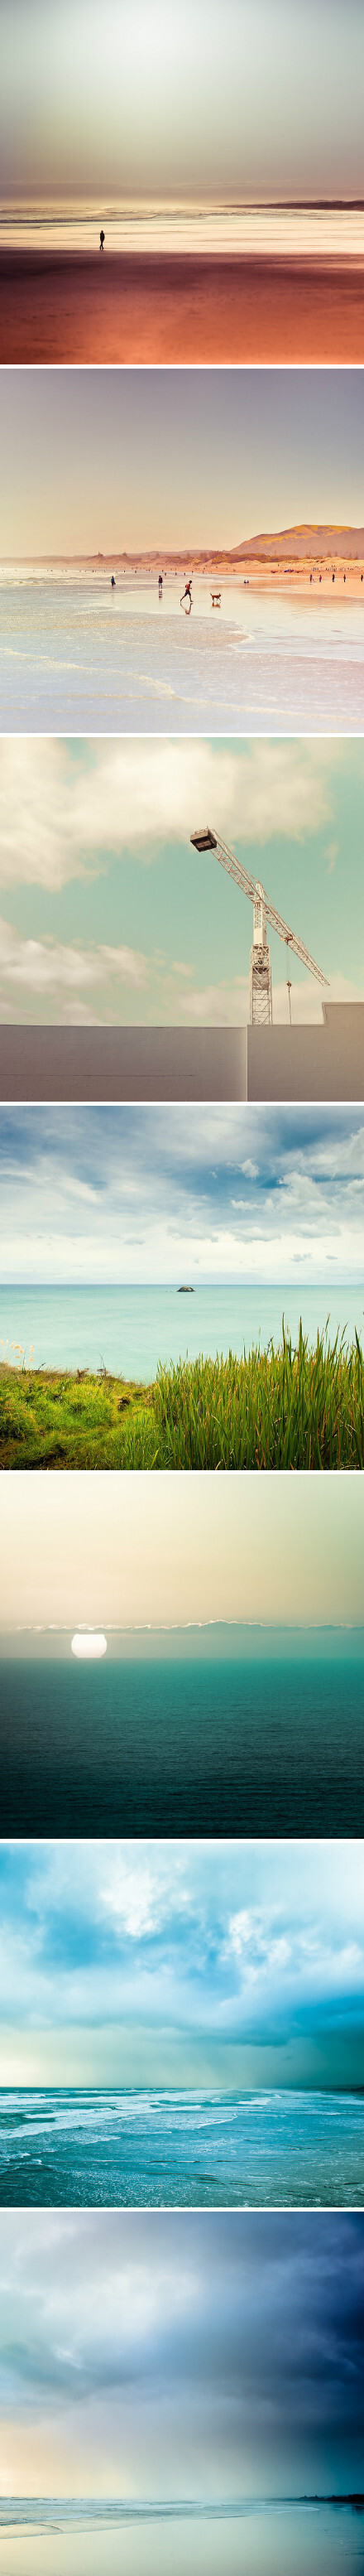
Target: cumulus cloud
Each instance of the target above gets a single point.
(45, 966)
(158, 1184)
(61, 817)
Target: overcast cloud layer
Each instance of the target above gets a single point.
(158, 2354)
(182, 1963)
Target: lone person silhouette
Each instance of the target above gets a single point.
(187, 593)
(102, 239)
(113, 582)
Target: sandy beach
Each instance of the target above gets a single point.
(68, 308)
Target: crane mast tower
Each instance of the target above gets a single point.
(260, 979)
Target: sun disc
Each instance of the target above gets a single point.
(89, 1647)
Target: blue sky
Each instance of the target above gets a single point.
(183, 97)
(154, 2353)
(106, 913)
(182, 1963)
(228, 1193)
(89, 463)
(155, 1553)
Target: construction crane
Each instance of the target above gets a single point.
(260, 980)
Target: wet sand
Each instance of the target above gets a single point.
(87, 309)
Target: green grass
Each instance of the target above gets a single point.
(291, 1407)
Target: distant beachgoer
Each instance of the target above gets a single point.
(187, 593)
(102, 239)
(113, 582)
(344, 576)
(160, 585)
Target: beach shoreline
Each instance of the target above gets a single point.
(299, 576)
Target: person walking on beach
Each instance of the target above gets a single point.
(113, 582)
(102, 239)
(187, 593)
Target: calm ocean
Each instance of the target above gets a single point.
(232, 1748)
(116, 2147)
(76, 657)
(54, 2537)
(132, 1329)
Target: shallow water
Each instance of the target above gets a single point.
(232, 1748)
(132, 1329)
(322, 232)
(253, 2540)
(76, 656)
(158, 2149)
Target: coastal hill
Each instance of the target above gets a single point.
(304, 541)
(289, 547)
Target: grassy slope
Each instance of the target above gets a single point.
(285, 1408)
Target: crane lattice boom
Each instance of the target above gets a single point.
(260, 974)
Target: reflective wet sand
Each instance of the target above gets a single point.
(74, 308)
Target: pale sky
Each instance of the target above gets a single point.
(182, 1963)
(110, 458)
(162, 2353)
(118, 1551)
(107, 914)
(182, 97)
(160, 1194)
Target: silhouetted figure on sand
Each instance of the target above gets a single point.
(102, 239)
(187, 594)
(160, 585)
(113, 582)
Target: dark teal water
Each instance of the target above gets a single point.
(174, 1748)
(180, 2149)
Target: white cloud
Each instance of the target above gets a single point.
(45, 966)
(58, 815)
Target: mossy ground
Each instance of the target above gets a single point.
(291, 1407)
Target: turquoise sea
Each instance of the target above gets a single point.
(183, 1747)
(132, 1329)
(160, 2149)
(56, 2537)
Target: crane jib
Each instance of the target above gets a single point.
(207, 840)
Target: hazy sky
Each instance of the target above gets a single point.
(183, 96)
(107, 913)
(157, 2353)
(144, 1194)
(106, 458)
(182, 1963)
(113, 1551)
